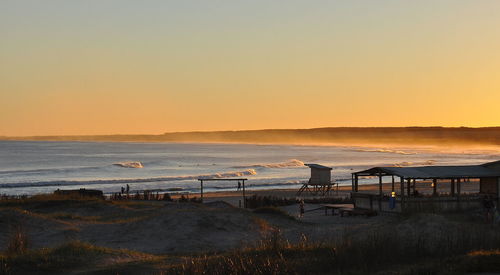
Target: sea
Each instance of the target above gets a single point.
(34, 167)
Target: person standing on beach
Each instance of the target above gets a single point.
(488, 208)
(128, 189)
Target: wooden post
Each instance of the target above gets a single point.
(201, 184)
(414, 186)
(356, 183)
(434, 187)
(408, 182)
(380, 193)
(452, 187)
(352, 181)
(402, 181)
(244, 198)
(458, 187)
(392, 190)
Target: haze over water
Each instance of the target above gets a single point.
(28, 167)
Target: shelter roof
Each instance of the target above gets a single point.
(433, 172)
(317, 166)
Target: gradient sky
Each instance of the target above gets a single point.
(118, 66)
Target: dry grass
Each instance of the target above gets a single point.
(68, 257)
(18, 241)
(464, 248)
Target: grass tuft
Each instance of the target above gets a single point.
(19, 241)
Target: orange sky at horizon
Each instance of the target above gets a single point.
(124, 67)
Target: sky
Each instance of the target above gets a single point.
(149, 67)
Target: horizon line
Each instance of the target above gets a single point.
(252, 130)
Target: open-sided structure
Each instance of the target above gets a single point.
(407, 196)
(320, 182)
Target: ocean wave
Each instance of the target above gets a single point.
(287, 164)
(129, 164)
(409, 163)
(248, 172)
(50, 170)
(386, 151)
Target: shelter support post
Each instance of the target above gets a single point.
(414, 187)
(380, 193)
(244, 197)
(402, 181)
(392, 189)
(458, 187)
(408, 187)
(356, 183)
(201, 190)
(352, 182)
(434, 187)
(452, 187)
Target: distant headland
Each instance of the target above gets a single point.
(485, 136)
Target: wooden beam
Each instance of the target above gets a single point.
(392, 190)
(458, 187)
(408, 186)
(356, 183)
(452, 187)
(434, 187)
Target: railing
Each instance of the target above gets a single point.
(416, 204)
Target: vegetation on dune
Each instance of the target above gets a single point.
(416, 244)
(273, 211)
(467, 248)
(70, 256)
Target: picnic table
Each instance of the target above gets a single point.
(341, 207)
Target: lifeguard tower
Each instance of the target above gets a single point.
(320, 182)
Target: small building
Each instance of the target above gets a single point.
(320, 182)
(405, 194)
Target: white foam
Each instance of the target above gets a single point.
(409, 163)
(129, 164)
(248, 172)
(386, 151)
(287, 164)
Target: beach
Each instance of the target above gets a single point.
(137, 236)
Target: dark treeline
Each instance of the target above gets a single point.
(333, 135)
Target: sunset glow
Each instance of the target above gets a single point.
(112, 67)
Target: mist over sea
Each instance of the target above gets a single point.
(30, 167)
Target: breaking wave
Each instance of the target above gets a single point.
(248, 172)
(129, 164)
(386, 151)
(287, 164)
(409, 163)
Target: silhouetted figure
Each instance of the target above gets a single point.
(123, 190)
(488, 208)
(128, 189)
